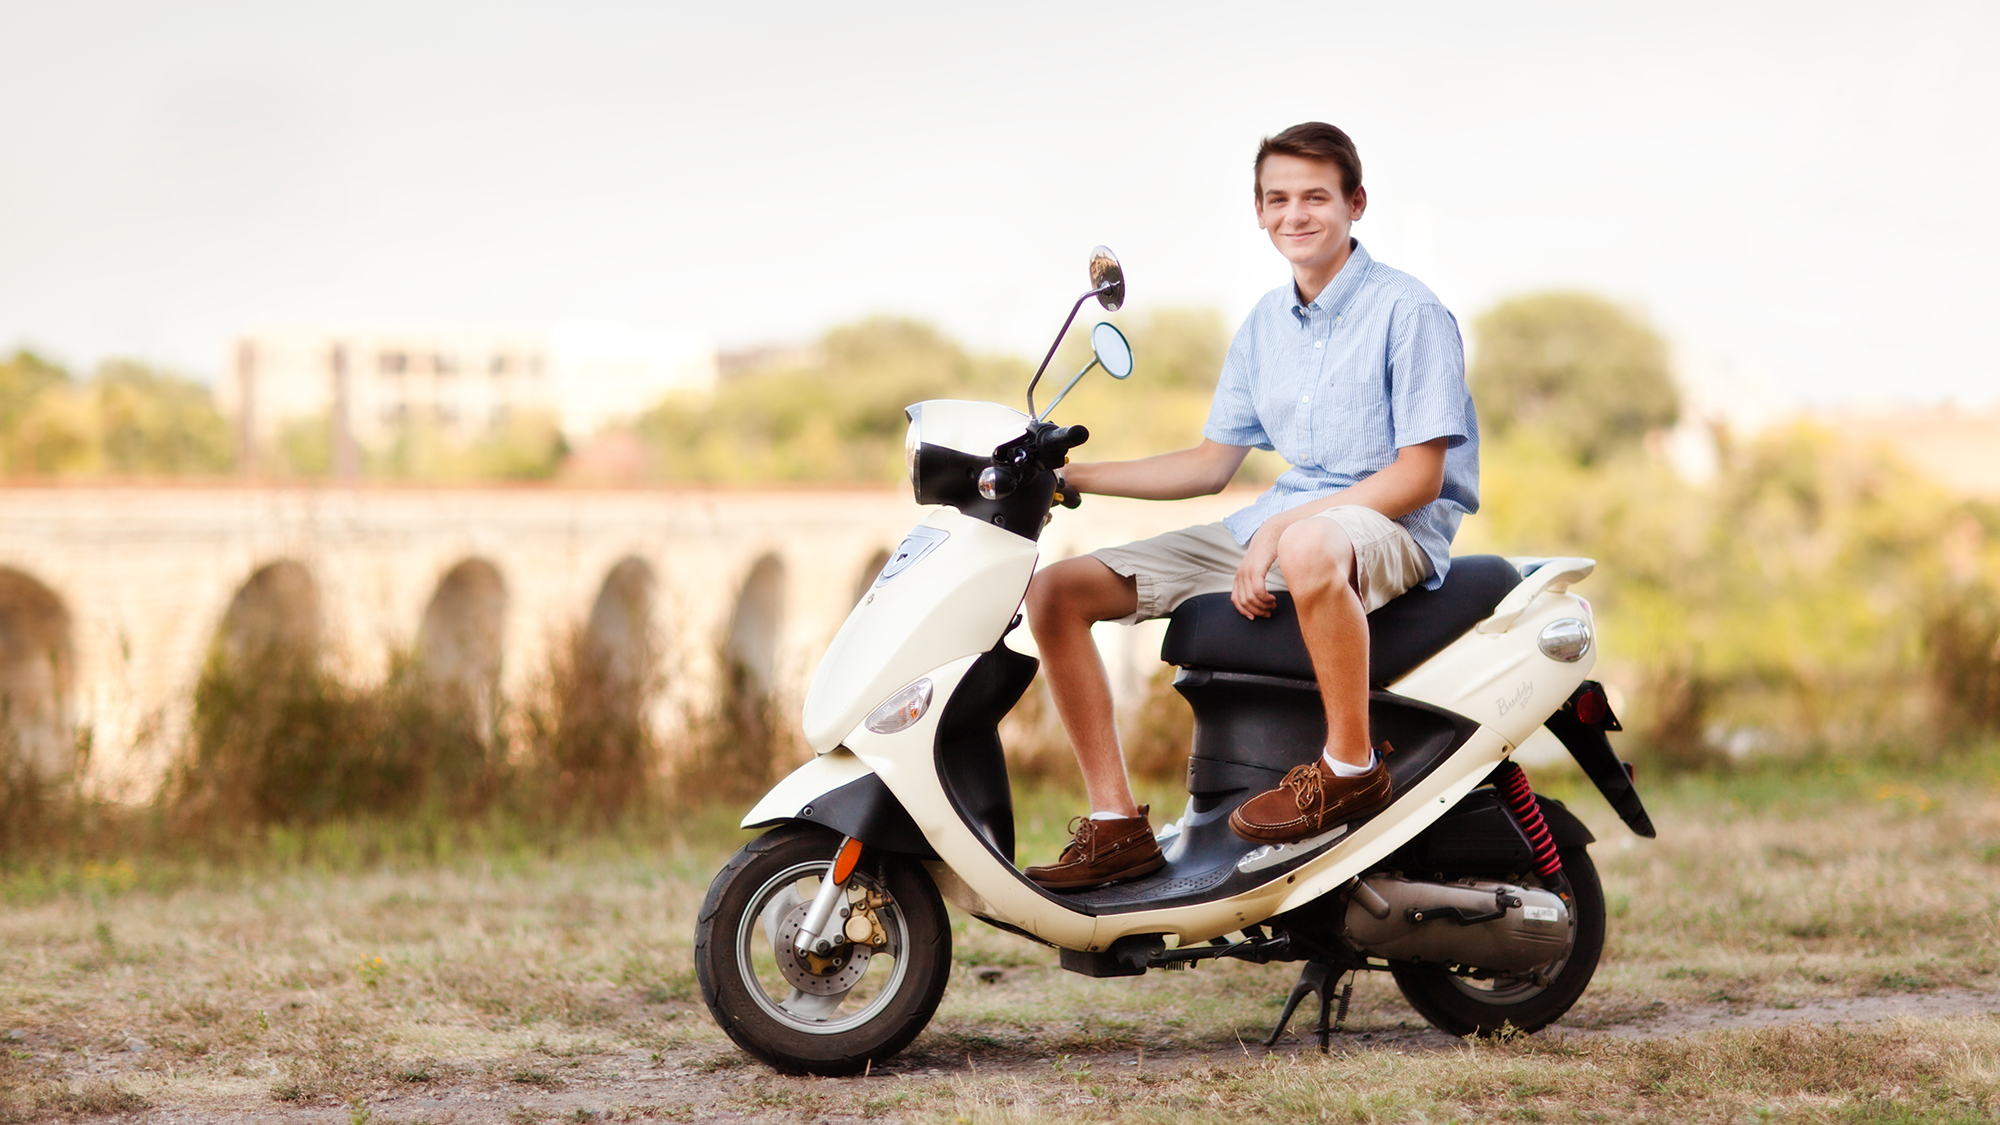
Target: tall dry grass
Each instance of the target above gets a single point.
(1962, 655)
(586, 749)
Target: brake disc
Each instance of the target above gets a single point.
(832, 974)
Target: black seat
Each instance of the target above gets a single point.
(1206, 632)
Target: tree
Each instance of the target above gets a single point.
(157, 423)
(24, 378)
(1576, 370)
(837, 417)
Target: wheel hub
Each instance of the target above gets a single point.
(830, 974)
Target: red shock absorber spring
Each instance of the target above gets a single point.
(1512, 782)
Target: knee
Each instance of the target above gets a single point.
(1052, 594)
(1315, 553)
(1076, 592)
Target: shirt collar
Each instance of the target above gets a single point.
(1341, 289)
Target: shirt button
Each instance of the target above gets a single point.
(1319, 343)
(1305, 398)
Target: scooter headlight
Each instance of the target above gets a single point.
(902, 710)
(913, 447)
(1566, 640)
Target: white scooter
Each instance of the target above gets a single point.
(823, 945)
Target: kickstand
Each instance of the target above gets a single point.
(1314, 979)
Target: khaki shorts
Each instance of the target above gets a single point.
(1179, 565)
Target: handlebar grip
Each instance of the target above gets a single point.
(1069, 437)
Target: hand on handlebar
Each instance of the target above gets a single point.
(1065, 495)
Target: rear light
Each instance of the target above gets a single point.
(1591, 706)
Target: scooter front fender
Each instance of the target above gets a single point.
(840, 791)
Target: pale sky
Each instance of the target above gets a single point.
(1802, 192)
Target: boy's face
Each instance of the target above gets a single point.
(1305, 212)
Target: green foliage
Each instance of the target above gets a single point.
(1177, 357)
(304, 447)
(24, 378)
(1781, 605)
(527, 446)
(126, 419)
(154, 423)
(1574, 369)
(838, 418)
(1172, 349)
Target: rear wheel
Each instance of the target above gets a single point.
(1463, 1005)
(864, 999)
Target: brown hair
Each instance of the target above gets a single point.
(1314, 140)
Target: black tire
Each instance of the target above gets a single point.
(1462, 1006)
(854, 1015)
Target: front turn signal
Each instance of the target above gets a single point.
(902, 710)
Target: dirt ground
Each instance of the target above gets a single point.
(712, 1083)
(1781, 952)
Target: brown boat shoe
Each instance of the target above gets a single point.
(1100, 852)
(1312, 800)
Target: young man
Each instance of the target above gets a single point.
(1355, 374)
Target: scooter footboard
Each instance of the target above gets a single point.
(837, 790)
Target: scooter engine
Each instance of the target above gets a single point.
(1470, 923)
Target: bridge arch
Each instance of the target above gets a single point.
(274, 618)
(37, 680)
(462, 637)
(750, 650)
(621, 635)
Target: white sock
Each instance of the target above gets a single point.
(1342, 769)
(1109, 816)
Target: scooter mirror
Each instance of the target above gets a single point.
(1113, 353)
(1107, 279)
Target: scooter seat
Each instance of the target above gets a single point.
(1206, 632)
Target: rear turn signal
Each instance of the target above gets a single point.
(1566, 640)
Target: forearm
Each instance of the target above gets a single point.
(1414, 479)
(1201, 471)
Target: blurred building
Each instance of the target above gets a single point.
(466, 382)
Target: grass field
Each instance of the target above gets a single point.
(349, 975)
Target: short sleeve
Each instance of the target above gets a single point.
(1428, 398)
(1232, 416)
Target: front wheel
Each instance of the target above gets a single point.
(861, 1002)
(1463, 1005)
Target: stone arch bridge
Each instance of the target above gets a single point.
(112, 597)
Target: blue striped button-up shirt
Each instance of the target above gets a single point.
(1337, 386)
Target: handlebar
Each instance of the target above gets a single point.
(1043, 448)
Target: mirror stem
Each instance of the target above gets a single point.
(1051, 408)
(1067, 321)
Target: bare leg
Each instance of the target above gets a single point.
(1064, 601)
(1318, 563)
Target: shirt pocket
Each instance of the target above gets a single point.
(1355, 422)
